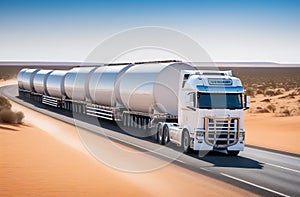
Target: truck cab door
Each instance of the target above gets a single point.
(189, 110)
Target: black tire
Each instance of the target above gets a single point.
(128, 120)
(131, 121)
(144, 125)
(160, 134)
(166, 135)
(185, 142)
(124, 120)
(233, 153)
(135, 122)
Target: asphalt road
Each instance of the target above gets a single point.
(263, 172)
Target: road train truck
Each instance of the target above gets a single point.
(196, 109)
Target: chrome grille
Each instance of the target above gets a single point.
(222, 132)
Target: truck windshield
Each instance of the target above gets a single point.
(219, 101)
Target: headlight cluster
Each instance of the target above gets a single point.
(242, 136)
(199, 134)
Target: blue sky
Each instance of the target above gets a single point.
(68, 30)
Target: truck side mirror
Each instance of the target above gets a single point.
(247, 102)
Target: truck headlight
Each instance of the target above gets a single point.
(243, 136)
(199, 134)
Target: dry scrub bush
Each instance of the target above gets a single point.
(271, 108)
(259, 91)
(272, 92)
(284, 112)
(264, 110)
(266, 100)
(279, 91)
(269, 92)
(4, 103)
(7, 115)
(250, 92)
(261, 110)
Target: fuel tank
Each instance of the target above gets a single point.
(101, 85)
(151, 87)
(20, 77)
(27, 79)
(39, 81)
(76, 81)
(55, 83)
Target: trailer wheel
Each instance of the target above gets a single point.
(160, 134)
(233, 152)
(131, 121)
(166, 135)
(139, 122)
(128, 120)
(144, 123)
(124, 120)
(135, 124)
(185, 142)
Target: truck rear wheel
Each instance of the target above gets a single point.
(160, 134)
(185, 142)
(166, 135)
(233, 152)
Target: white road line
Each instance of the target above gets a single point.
(277, 154)
(141, 147)
(255, 185)
(205, 169)
(277, 166)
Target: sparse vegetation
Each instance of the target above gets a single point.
(279, 91)
(271, 107)
(266, 100)
(250, 91)
(273, 90)
(259, 80)
(286, 112)
(259, 91)
(269, 92)
(4, 103)
(7, 115)
(262, 110)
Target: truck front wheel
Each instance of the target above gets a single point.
(185, 142)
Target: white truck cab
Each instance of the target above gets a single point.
(210, 113)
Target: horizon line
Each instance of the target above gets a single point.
(78, 63)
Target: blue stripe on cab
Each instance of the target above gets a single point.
(214, 89)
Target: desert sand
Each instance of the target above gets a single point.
(269, 131)
(45, 157)
(274, 121)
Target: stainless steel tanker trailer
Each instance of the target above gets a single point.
(195, 109)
